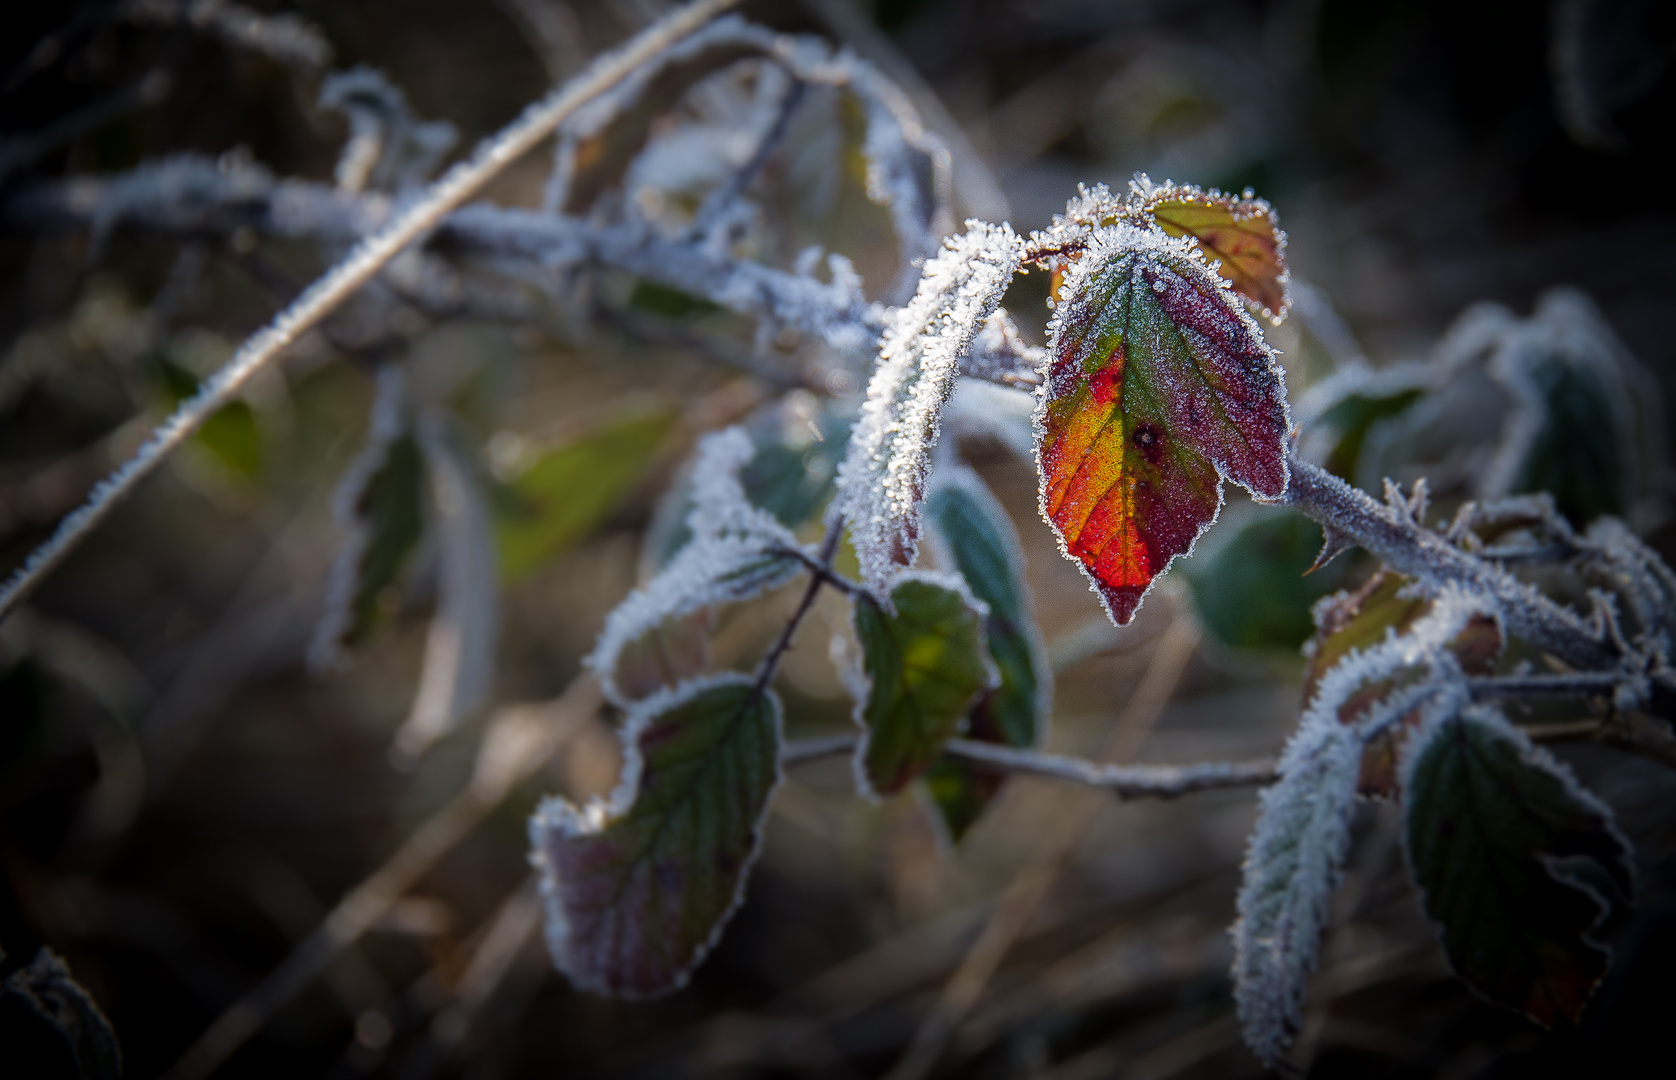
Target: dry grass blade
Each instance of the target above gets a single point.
(520, 740)
(1019, 903)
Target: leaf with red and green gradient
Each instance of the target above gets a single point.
(638, 887)
(1240, 233)
(1160, 385)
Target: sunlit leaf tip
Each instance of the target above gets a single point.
(638, 886)
(1159, 386)
(1241, 233)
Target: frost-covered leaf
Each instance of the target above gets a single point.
(459, 664)
(792, 475)
(1160, 385)
(1253, 589)
(45, 991)
(737, 551)
(1509, 852)
(567, 489)
(639, 886)
(926, 664)
(1291, 869)
(1362, 619)
(379, 509)
(1241, 233)
(1339, 413)
(882, 480)
(981, 543)
(1293, 861)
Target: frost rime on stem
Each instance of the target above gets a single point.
(882, 481)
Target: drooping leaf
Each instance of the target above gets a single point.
(1498, 836)
(46, 992)
(882, 480)
(1160, 385)
(379, 507)
(1254, 590)
(567, 490)
(638, 887)
(1360, 619)
(459, 662)
(1242, 234)
(982, 545)
(737, 551)
(1291, 868)
(927, 663)
(1576, 454)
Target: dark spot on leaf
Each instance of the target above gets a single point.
(1149, 440)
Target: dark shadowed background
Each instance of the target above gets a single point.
(182, 802)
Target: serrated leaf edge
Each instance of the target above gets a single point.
(860, 684)
(558, 814)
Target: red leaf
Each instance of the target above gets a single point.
(1160, 386)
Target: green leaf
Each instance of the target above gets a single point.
(639, 887)
(1254, 591)
(379, 508)
(1352, 418)
(982, 545)
(391, 508)
(1576, 456)
(926, 663)
(793, 475)
(570, 488)
(1499, 834)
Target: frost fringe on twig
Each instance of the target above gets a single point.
(361, 265)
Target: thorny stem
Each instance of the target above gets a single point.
(361, 265)
(1410, 548)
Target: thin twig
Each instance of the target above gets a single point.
(723, 197)
(363, 264)
(822, 569)
(1582, 684)
(818, 576)
(796, 753)
(1126, 781)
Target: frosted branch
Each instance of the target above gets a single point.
(361, 265)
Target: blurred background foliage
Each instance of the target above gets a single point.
(182, 801)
